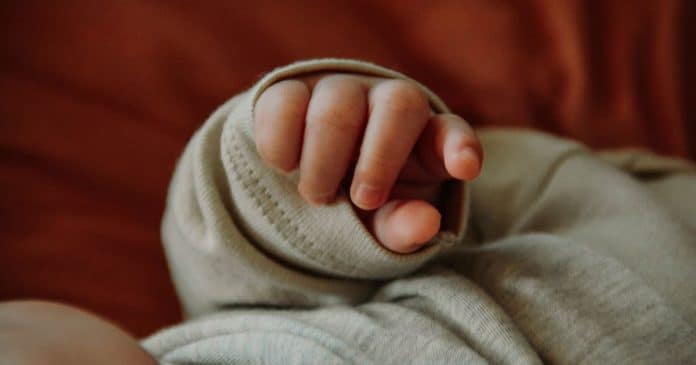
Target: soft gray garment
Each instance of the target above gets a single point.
(553, 255)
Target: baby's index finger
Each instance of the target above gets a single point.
(455, 145)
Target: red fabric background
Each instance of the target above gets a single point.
(97, 100)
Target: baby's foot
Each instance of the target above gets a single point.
(378, 135)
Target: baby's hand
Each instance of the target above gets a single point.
(378, 135)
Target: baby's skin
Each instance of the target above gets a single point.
(44, 333)
(378, 138)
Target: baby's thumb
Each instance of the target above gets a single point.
(404, 226)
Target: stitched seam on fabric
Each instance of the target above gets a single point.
(291, 233)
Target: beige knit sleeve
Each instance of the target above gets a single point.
(237, 233)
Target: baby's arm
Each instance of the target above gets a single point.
(381, 131)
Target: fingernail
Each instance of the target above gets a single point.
(472, 165)
(317, 199)
(468, 153)
(368, 196)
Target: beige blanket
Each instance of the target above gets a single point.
(555, 254)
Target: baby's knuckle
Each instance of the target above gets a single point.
(289, 88)
(281, 105)
(287, 92)
(283, 90)
(404, 95)
(338, 80)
